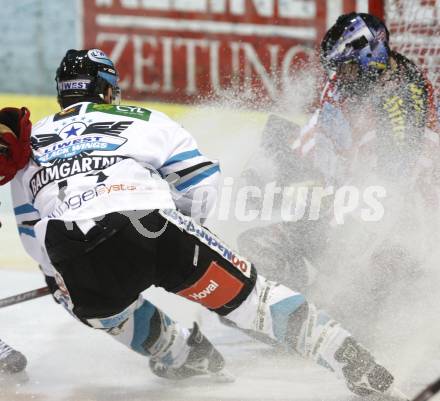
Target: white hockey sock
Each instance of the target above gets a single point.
(147, 330)
(270, 309)
(285, 316)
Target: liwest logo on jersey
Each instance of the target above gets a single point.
(77, 138)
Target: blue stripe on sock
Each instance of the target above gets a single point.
(142, 319)
(167, 359)
(182, 156)
(26, 231)
(321, 361)
(281, 312)
(23, 209)
(197, 178)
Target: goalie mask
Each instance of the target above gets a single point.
(86, 75)
(356, 43)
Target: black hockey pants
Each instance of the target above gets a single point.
(124, 253)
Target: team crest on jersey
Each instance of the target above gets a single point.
(77, 139)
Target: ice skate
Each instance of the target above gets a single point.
(11, 361)
(203, 359)
(364, 376)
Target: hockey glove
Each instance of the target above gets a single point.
(15, 147)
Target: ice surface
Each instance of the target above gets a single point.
(69, 361)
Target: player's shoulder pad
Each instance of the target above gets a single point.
(41, 123)
(68, 112)
(161, 118)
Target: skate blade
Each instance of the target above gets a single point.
(398, 395)
(13, 379)
(222, 376)
(390, 395)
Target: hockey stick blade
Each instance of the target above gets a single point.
(24, 296)
(430, 391)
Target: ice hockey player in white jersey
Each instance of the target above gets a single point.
(11, 360)
(108, 195)
(175, 352)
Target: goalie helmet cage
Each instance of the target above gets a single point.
(414, 31)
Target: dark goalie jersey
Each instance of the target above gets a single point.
(390, 125)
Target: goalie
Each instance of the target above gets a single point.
(377, 117)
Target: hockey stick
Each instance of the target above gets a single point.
(24, 296)
(431, 390)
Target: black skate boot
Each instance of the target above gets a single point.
(203, 359)
(11, 361)
(364, 376)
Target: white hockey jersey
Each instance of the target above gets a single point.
(93, 159)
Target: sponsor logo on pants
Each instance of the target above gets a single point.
(214, 289)
(206, 292)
